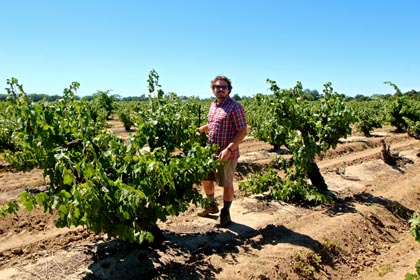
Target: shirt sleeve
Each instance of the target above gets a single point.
(239, 116)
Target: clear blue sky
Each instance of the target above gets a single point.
(112, 45)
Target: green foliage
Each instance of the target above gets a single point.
(98, 181)
(403, 112)
(41, 128)
(295, 189)
(124, 115)
(261, 182)
(128, 112)
(411, 276)
(368, 115)
(104, 103)
(287, 115)
(262, 117)
(415, 226)
(6, 129)
(415, 231)
(306, 129)
(413, 128)
(306, 265)
(9, 208)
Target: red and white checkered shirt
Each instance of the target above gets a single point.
(224, 120)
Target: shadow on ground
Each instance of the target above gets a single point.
(347, 205)
(185, 256)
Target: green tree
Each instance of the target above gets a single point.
(311, 95)
(236, 97)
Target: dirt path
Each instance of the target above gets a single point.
(363, 235)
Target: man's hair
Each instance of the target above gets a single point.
(221, 78)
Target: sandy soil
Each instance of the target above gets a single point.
(363, 235)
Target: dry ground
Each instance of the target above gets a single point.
(363, 235)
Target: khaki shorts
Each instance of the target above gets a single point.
(224, 174)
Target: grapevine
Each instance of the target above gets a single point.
(99, 181)
(306, 130)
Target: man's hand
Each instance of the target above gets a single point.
(225, 155)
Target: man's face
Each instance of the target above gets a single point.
(220, 89)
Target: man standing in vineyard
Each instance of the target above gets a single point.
(226, 125)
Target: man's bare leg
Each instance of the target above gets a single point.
(209, 190)
(208, 187)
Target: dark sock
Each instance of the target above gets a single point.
(210, 196)
(226, 205)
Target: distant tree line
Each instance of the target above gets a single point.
(311, 95)
(36, 97)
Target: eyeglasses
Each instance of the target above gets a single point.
(220, 87)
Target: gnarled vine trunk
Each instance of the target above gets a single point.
(316, 178)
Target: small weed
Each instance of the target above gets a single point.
(415, 231)
(383, 269)
(329, 249)
(306, 265)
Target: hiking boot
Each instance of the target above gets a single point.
(225, 219)
(212, 209)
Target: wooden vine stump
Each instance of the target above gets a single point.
(387, 156)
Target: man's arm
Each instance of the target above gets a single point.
(204, 128)
(240, 135)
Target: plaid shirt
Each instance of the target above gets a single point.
(224, 120)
